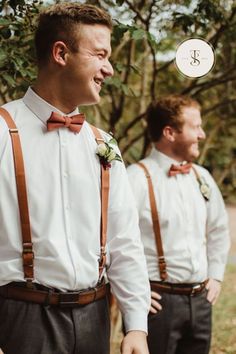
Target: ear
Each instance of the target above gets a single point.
(169, 133)
(59, 51)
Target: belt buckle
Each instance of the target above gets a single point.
(194, 289)
(69, 299)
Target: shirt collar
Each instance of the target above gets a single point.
(163, 161)
(41, 108)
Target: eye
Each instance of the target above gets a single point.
(101, 55)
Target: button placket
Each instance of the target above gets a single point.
(65, 176)
(183, 185)
(65, 136)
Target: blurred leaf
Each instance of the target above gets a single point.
(3, 57)
(5, 33)
(138, 34)
(8, 80)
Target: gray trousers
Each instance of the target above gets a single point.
(27, 328)
(183, 326)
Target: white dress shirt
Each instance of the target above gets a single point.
(63, 185)
(194, 231)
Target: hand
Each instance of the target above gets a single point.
(135, 342)
(213, 287)
(155, 305)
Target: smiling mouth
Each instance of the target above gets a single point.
(196, 147)
(98, 82)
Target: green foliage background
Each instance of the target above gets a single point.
(145, 37)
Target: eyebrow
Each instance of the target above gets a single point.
(106, 52)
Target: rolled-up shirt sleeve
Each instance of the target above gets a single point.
(127, 271)
(217, 232)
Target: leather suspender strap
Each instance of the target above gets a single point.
(27, 254)
(105, 183)
(196, 174)
(156, 223)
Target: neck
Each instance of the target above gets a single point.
(51, 90)
(167, 150)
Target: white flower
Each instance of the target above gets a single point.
(101, 149)
(204, 188)
(111, 156)
(107, 154)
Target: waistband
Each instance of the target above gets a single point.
(178, 289)
(47, 296)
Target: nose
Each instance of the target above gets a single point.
(201, 134)
(107, 69)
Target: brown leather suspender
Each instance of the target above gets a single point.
(155, 220)
(156, 224)
(28, 254)
(105, 181)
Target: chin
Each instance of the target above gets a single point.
(194, 156)
(90, 101)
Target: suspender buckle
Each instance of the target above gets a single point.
(27, 247)
(28, 254)
(28, 262)
(13, 130)
(102, 254)
(99, 140)
(102, 262)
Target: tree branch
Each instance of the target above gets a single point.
(215, 38)
(225, 172)
(131, 142)
(165, 66)
(136, 11)
(131, 125)
(223, 103)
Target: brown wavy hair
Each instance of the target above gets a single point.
(60, 23)
(167, 112)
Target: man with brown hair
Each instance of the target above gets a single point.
(184, 229)
(66, 223)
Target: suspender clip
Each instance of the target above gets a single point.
(99, 140)
(13, 130)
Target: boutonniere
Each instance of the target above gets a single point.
(204, 188)
(107, 154)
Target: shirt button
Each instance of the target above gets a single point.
(65, 174)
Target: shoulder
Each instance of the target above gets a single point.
(203, 172)
(9, 108)
(92, 129)
(208, 180)
(4, 130)
(135, 171)
(108, 138)
(13, 106)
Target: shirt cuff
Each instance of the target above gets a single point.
(135, 322)
(216, 271)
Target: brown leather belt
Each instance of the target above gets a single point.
(51, 297)
(178, 289)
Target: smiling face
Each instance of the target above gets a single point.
(86, 69)
(185, 146)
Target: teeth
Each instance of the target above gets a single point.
(99, 82)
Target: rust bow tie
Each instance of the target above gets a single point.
(57, 121)
(183, 169)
